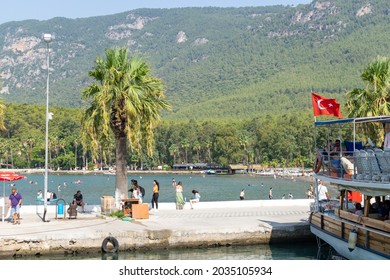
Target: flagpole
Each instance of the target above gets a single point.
(315, 131)
(311, 92)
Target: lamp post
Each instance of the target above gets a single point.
(47, 38)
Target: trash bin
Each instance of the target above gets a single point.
(107, 204)
(60, 209)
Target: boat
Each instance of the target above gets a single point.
(360, 174)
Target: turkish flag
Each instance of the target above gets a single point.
(325, 106)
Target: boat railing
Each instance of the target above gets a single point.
(324, 206)
(364, 165)
(377, 225)
(359, 222)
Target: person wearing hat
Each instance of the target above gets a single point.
(78, 200)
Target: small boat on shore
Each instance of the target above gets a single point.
(361, 175)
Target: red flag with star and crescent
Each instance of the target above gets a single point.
(325, 106)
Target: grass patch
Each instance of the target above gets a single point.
(118, 214)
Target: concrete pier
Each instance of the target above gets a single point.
(208, 224)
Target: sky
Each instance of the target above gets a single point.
(17, 10)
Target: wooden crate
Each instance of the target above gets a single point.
(140, 211)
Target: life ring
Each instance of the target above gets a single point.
(110, 240)
(317, 163)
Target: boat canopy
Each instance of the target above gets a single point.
(381, 119)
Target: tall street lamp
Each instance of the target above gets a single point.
(47, 38)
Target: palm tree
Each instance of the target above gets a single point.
(75, 143)
(125, 104)
(2, 112)
(185, 144)
(208, 147)
(374, 99)
(243, 140)
(173, 149)
(197, 148)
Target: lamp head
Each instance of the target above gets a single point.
(47, 38)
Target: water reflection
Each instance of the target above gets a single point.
(300, 251)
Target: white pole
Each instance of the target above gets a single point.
(3, 206)
(47, 38)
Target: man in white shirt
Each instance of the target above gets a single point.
(323, 194)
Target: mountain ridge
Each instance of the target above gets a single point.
(247, 61)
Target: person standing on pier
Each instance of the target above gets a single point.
(15, 201)
(156, 190)
(270, 196)
(179, 196)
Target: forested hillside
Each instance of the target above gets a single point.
(216, 62)
(238, 79)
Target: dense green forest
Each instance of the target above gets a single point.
(261, 59)
(239, 85)
(276, 141)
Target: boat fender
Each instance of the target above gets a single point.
(114, 243)
(317, 163)
(352, 240)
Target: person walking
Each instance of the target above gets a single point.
(15, 202)
(156, 190)
(179, 196)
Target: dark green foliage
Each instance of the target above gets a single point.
(242, 72)
(254, 57)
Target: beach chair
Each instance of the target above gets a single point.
(375, 169)
(358, 165)
(383, 164)
(363, 165)
(386, 154)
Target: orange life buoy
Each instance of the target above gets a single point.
(317, 163)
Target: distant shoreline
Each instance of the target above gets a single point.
(92, 172)
(42, 171)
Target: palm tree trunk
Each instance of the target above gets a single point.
(121, 170)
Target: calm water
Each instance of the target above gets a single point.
(300, 251)
(211, 187)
